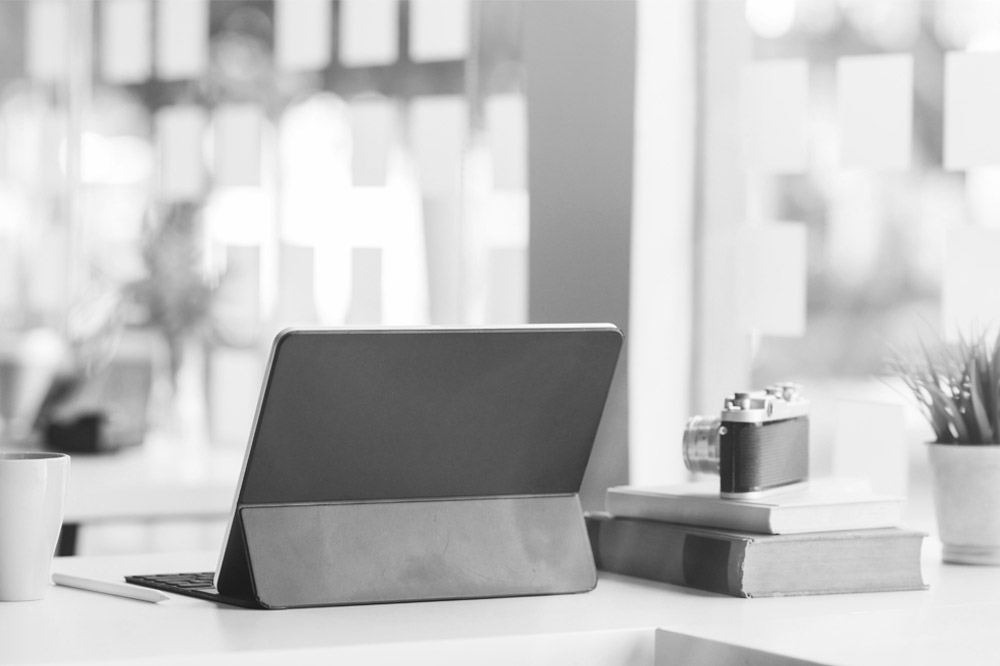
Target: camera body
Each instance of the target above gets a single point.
(759, 442)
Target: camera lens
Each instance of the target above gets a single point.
(701, 444)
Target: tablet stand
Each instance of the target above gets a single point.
(324, 554)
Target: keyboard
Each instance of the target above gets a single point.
(200, 584)
(185, 581)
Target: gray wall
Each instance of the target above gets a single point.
(580, 70)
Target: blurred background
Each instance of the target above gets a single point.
(753, 191)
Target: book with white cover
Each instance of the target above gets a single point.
(819, 505)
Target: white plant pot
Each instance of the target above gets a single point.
(967, 501)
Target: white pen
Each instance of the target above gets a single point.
(108, 587)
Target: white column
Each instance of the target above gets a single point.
(662, 252)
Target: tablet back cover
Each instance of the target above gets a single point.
(393, 414)
(417, 464)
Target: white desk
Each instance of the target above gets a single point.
(954, 622)
(163, 479)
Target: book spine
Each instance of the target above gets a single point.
(661, 552)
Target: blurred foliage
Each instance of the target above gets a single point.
(175, 295)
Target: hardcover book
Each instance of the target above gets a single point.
(742, 564)
(816, 506)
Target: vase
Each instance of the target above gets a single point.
(966, 488)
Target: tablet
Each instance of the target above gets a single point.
(365, 440)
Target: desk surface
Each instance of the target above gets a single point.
(162, 479)
(953, 622)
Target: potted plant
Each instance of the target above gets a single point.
(175, 295)
(957, 387)
(173, 301)
(118, 336)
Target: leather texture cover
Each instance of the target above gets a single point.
(371, 552)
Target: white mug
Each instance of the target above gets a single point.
(32, 487)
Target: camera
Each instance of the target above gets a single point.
(759, 442)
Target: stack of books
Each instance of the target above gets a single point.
(823, 537)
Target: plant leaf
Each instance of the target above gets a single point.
(994, 404)
(957, 387)
(979, 421)
(943, 402)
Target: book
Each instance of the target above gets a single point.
(816, 506)
(743, 564)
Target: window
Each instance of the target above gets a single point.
(180, 179)
(848, 171)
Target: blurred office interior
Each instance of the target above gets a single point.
(181, 179)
